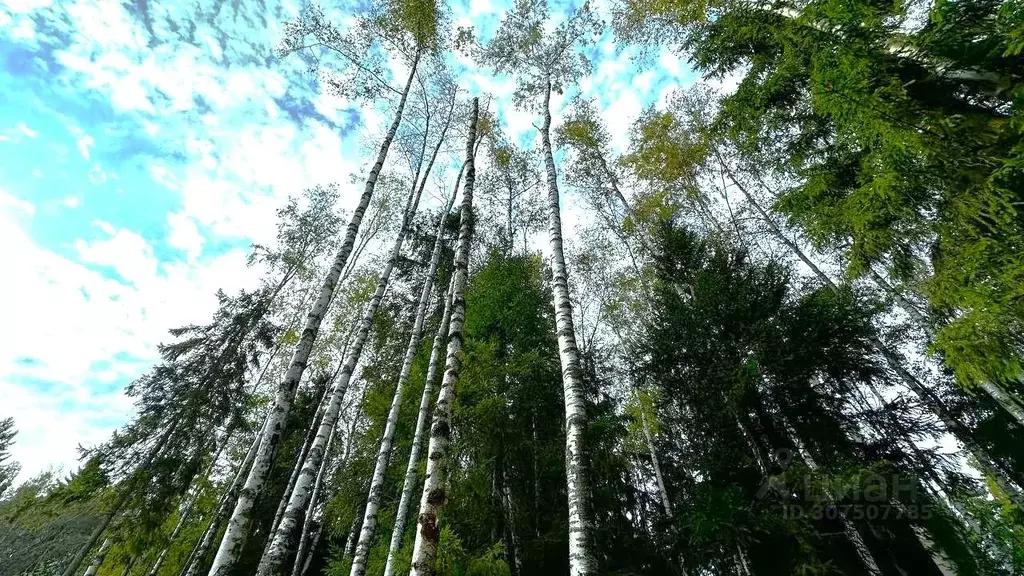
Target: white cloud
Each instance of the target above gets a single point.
(185, 235)
(72, 202)
(27, 131)
(84, 143)
(71, 320)
(670, 62)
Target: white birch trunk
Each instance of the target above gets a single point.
(742, 557)
(187, 508)
(387, 440)
(510, 515)
(282, 545)
(194, 563)
(98, 559)
(402, 514)
(327, 468)
(309, 556)
(325, 465)
(317, 417)
(581, 558)
(665, 502)
(434, 495)
(350, 540)
(238, 526)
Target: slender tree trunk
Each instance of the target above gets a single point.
(665, 502)
(98, 559)
(128, 567)
(304, 536)
(234, 537)
(409, 483)
(353, 534)
(306, 544)
(536, 474)
(317, 417)
(509, 510)
(391, 424)
(193, 565)
(309, 555)
(741, 556)
(866, 558)
(581, 558)
(434, 495)
(94, 537)
(282, 545)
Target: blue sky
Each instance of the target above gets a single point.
(143, 147)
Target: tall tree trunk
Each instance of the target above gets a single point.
(434, 495)
(308, 559)
(304, 536)
(509, 510)
(310, 430)
(232, 542)
(581, 558)
(665, 502)
(391, 424)
(98, 559)
(402, 514)
(282, 545)
(307, 544)
(193, 565)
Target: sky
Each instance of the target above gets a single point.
(144, 147)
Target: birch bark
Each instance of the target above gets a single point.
(301, 552)
(317, 417)
(581, 558)
(402, 514)
(195, 560)
(665, 502)
(387, 440)
(282, 545)
(234, 537)
(97, 560)
(434, 496)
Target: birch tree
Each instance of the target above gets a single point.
(544, 63)
(384, 452)
(282, 546)
(423, 414)
(313, 25)
(433, 497)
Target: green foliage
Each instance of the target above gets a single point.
(452, 560)
(8, 470)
